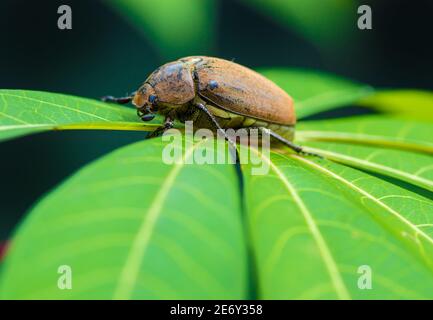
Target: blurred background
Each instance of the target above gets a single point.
(114, 45)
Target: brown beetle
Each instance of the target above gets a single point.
(215, 94)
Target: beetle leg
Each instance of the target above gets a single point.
(168, 124)
(145, 114)
(291, 145)
(121, 100)
(147, 117)
(203, 108)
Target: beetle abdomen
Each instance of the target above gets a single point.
(232, 120)
(238, 89)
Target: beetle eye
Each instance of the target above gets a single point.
(213, 84)
(152, 98)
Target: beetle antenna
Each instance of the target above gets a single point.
(120, 100)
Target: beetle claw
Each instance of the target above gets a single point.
(145, 114)
(148, 117)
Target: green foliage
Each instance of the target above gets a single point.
(314, 223)
(192, 20)
(134, 227)
(177, 28)
(412, 104)
(314, 91)
(131, 226)
(317, 21)
(24, 112)
(370, 130)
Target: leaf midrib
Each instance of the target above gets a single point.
(56, 105)
(324, 251)
(339, 157)
(130, 270)
(401, 218)
(365, 139)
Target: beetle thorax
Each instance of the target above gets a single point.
(173, 83)
(144, 96)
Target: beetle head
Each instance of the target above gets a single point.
(145, 98)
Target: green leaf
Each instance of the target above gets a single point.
(407, 104)
(175, 28)
(314, 224)
(378, 144)
(130, 226)
(370, 130)
(410, 167)
(24, 112)
(314, 92)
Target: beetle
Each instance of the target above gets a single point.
(216, 94)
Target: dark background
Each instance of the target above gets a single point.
(105, 54)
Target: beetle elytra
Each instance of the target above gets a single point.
(215, 94)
